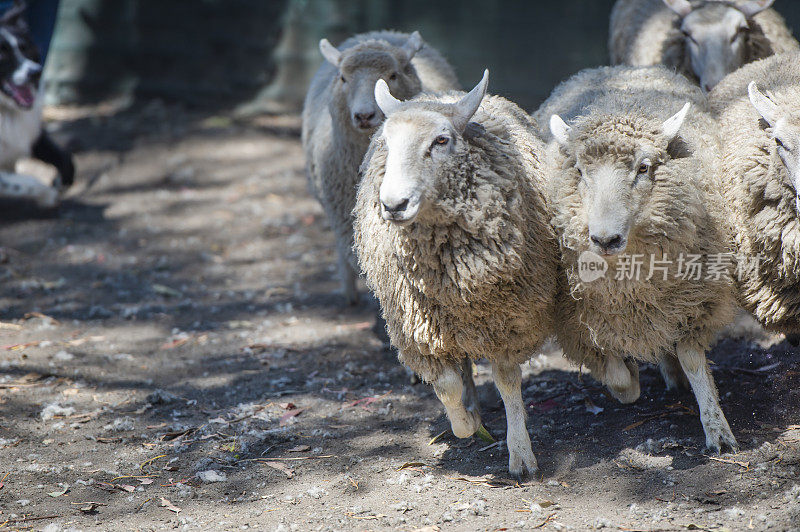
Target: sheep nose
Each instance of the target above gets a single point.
(363, 119)
(707, 87)
(396, 208)
(607, 243)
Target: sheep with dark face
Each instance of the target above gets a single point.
(452, 234)
(758, 110)
(631, 177)
(340, 115)
(704, 40)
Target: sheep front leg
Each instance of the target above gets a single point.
(718, 432)
(449, 388)
(508, 379)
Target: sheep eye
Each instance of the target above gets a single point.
(343, 80)
(644, 168)
(441, 140)
(781, 145)
(393, 76)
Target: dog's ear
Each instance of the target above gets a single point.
(12, 16)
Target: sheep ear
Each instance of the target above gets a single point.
(681, 7)
(765, 107)
(387, 103)
(329, 52)
(469, 104)
(413, 45)
(674, 123)
(754, 7)
(559, 129)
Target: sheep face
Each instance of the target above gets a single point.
(360, 67)
(784, 128)
(715, 36)
(615, 160)
(423, 141)
(418, 144)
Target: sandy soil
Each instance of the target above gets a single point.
(173, 354)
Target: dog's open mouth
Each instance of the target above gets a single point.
(23, 95)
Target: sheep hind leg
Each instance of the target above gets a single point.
(622, 379)
(348, 279)
(718, 433)
(470, 394)
(508, 379)
(673, 374)
(449, 388)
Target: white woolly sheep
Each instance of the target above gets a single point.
(758, 109)
(704, 40)
(630, 175)
(340, 116)
(453, 236)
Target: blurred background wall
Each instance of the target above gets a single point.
(226, 52)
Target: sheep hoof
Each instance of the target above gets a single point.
(520, 454)
(465, 423)
(626, 395)
(622, 379)
(721, 442)
(522, 465)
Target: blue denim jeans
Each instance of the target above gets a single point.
(41, 17)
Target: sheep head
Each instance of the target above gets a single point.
(360, 67)
(617, 160)
(715, 36)
(423, 138)
(784, 128)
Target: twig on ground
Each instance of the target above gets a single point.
(547, 520)
(745, 465)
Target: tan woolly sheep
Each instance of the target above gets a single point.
(452, 233)
(758, 109)
(704, 40)
(340, 116)
(630, 181)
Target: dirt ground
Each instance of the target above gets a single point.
(173, 354)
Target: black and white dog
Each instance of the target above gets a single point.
(21, 133)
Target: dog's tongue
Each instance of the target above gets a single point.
(22, 94)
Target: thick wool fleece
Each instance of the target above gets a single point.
(757, 188)
(643, 319)
(642, 87)
(476, 275)
(333, 148)
(647, 32)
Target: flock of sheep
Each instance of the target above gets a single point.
(473, 222)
